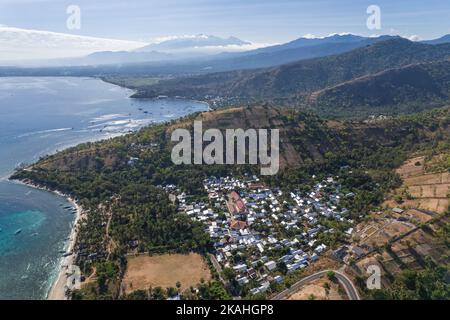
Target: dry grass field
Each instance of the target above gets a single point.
(164, 271)
(428, 191)
(316, 290)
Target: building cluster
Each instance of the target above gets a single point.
(222, 101)
(263, 233)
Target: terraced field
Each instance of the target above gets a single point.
(427, 191)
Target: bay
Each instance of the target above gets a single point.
(39, 116)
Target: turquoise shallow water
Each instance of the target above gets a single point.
(39, 116)
(29, 259)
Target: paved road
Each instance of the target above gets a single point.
(348, 285)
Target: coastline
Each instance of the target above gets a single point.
(58, 287)
(55, 281)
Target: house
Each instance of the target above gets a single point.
(240, 268)
(237, 224)
(358, 251)
(264, 286)
(271, 265)
(397, 210)
(254, 291)
(278, 279)
(286, 258)
(350, 195)
(251, 273)
(235, 204)
(260, 247)
(320, 248)
(132, 161)
(242, 280)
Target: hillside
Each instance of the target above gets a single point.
(304, 76)
(290, 84)
(443, 39)
(408, 89)
(305, 140)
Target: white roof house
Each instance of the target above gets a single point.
(271, 265)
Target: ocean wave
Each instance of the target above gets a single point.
(118, 124)
(108, 117)
(43, 132)
(96, 101)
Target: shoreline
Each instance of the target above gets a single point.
(57, 289)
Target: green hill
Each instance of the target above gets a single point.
(408, 89)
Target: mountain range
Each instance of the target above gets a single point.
(198, 54)
(311, 82)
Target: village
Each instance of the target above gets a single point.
(261, 233)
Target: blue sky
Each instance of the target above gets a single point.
(259, 21)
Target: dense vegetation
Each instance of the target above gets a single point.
(428, 284)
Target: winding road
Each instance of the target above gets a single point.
(348, 285)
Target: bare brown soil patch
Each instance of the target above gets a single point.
(321, 289)
(164, 271)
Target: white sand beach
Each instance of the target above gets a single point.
(57, 292)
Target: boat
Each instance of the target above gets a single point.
(18, 231)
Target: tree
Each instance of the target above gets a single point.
(158, 294)
(282, 267)
(229, 274)
(331, 275)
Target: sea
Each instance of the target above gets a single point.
(40, 116)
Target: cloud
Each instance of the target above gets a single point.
(414, 37)
(312, 36)
(200, 43)
(309, 36)
(228, 48)
(187, 36)
(26, 44)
